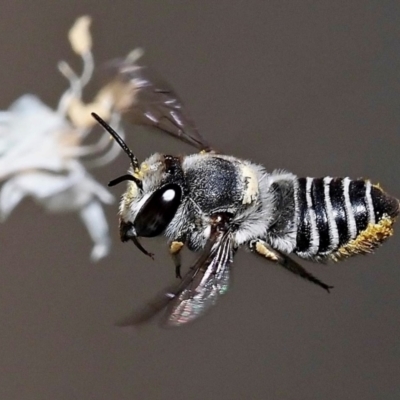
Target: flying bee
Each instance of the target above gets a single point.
(214, 204)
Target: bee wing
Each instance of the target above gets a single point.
(197, 292)
(211, 280)
(154, 102)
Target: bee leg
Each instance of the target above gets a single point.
(263, 249)
(175, 248)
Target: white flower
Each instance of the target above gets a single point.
(37, 148)
(41, 149)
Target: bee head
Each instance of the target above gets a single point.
(153, 195)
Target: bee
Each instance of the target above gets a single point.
(214, 204)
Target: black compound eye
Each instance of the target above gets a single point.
(158, 211)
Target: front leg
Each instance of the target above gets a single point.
(261, 248)
(175, 248)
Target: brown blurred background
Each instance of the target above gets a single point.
(312, 87)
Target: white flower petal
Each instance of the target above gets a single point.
(32, 117)
(96, 224)
(11, 195)
(31, 136)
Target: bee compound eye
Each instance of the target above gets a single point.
(158, 211)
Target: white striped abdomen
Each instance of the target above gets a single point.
(340, 217)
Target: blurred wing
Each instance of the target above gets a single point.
(197, 292)
(153, 102)
(211, 280)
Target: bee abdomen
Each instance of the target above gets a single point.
(339, 217)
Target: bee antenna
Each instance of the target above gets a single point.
(126, 177)
(118, 139)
